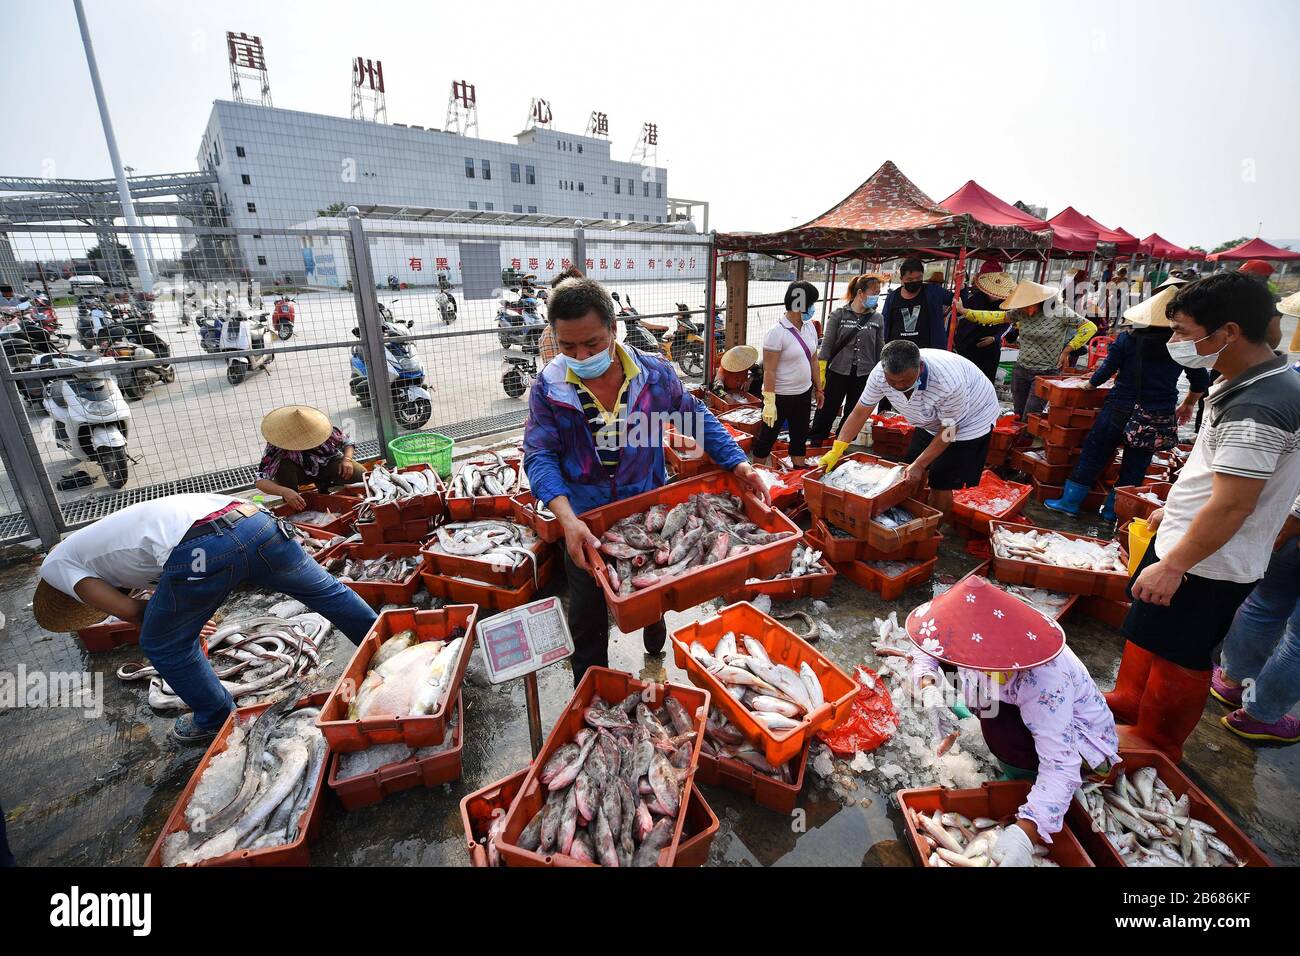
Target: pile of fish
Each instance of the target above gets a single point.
(1078, 381)
(650, 547)
(615, 791)
(408, 676)
(749, 415)
(724, 739)
(317, 519)
(739, 398)
(496, 542)
(384, 486)
(361, 762)
(1143, 820)
(950, 839)
(255, 793)
(251, 658)
(863, 478)
(384, 568)
(1048, 547)
(476, 479)
(893, 518)
(1151, 496)
(315, 546)
(1045, 600)
(776, 696)
(803, 562)
(539, 509)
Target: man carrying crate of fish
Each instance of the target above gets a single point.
(1041, 714)
(594, 436)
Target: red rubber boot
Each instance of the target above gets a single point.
(1173, 703)
(1134, 668)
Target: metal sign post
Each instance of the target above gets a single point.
(519, 643)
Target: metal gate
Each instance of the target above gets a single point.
(480, 265)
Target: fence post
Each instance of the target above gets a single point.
(710, 309)
(22, 463)
(371, 326)
(579, 246)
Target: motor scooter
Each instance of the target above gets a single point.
(283, 317)
(412, 402)
(91, 418)
(244, 334)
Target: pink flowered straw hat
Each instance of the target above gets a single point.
(980, 626)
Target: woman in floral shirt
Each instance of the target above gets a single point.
(1040, 711)
(303, 448)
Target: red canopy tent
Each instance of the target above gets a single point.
(1071, 218)
(1162, 248)
(1256, 249)
(975, 200)
(1130, 244)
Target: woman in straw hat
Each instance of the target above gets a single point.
(193, 550)
(739, 377)
(1139, 414)
(855, 334)
(1041, 714)
(303, 448)
(980, 330)
(1047, 331)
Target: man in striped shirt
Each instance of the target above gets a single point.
(948, 400)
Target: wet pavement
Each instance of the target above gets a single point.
(96, 790)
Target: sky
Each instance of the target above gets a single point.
(1170, 117)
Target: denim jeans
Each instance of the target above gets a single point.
(1105, 436)
(1263, 644)
(196, 580)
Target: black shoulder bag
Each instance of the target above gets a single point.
(1149, 431)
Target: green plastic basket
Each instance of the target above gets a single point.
(423, 448)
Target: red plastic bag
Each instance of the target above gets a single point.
(787, 489)
(872, 720)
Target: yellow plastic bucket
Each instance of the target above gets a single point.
(1139, 536)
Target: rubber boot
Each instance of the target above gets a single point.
(1171, 706)
(1134, 668)
(1069, 502)
(1108, 507)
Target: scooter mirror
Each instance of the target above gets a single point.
(410, 323)
(357, 333)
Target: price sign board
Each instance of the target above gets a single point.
(524, 639)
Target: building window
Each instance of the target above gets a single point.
(606, 216)
(257, 235)
(580, 147)
(659, 218)
(604, 180)
(530, 176)
(239, 151)
(489, 207)
(645, 188)
(645, 218)
(659, 190)
(252, 207)
(473, 204)
(261, 260)
(532, 209)
(487, 169)
(519, 208)
(631, 187)
(618, 186)
(582, 188)
(514, 172)
(469, 168)
(246, 179)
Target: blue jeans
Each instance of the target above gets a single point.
(1104, 438)
(196, 580)
(1263, 644)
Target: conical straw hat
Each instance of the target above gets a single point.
(996, 285)
(56, 611)
(739, 358)
(1290, 305)
(1028, 293)
(1150, 313)
(296, 427)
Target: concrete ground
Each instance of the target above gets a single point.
(96, 790)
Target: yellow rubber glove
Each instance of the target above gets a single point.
(822, 365)
(1086, 331)
(769, 409)
(832, 457)
(986, 316)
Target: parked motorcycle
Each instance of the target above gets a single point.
(90, 416)
(135, 381)
(412, 403)
(23, 339)
(283, 316)
(684, 344)
(518, 323)
(446, 306)
(519, 374)
(244, 334)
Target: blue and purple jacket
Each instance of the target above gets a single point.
(560, 453)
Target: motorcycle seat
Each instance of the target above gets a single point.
(658, 329)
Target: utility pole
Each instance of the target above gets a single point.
(123, 190)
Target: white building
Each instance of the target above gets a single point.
(280, 167)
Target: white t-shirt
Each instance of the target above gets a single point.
(129, 547)
(951, 391)
(794, 369)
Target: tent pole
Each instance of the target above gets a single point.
(956, 296)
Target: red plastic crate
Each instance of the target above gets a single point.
(1110, 585)
(370, 788)
(1105, 610)
(685, 465)
(314, 532)
(696, 586)
(488, 596)
(522, 510)
(344, 506)
(837, 550)
(717, 404)
(1050, 388)
(379, 593)
(1005, 432)
(346, 735)
(1039, 469)
(392, 514)
(985, 571)
(787, 589)
(108, 635)
(783, 646)
(1201, 807)
(409, 532)
(613, 686)
(296, 853)
(1068, 417)
(995, 799)
(479, 809)
(498, 575)
(1129, 504)
(922, 549)
(485, 506)
(766, 791)
(1091, 503)
(1057, 436)
(965, 513)
(846, 510)
(996, 458)
(882, 540)
(868, 578)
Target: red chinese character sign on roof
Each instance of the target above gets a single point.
(246, 51)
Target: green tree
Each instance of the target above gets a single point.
(332, 210)
(1230, 243)
(123, 251)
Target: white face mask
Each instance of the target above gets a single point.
(1185, 354)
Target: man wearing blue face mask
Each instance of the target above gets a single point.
(792, 379)
(918, 311)
(594, 436)
(850, 349)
